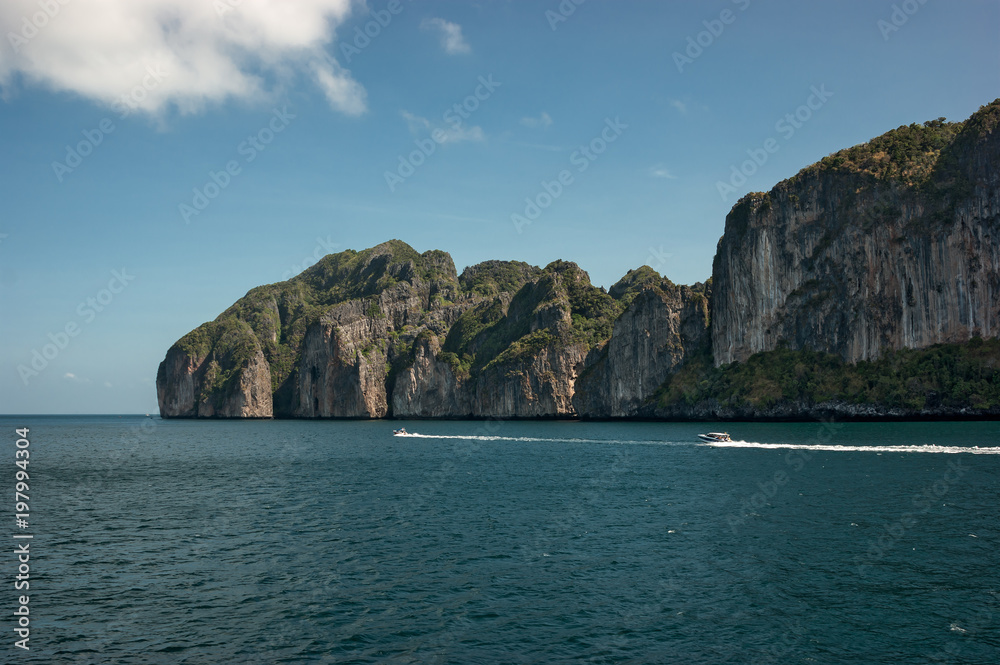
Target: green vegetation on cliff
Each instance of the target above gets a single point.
(501, 316)
(634, 281)
(927, 157)
(232, 345)
(500, 332)
(492, 278)
(907, 154)
(275, 317)
(512, 312)
(592, 311)
(944, 375)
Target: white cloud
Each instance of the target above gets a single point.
(543, 121)
(660, 171)
(450, 33)
(679, 105)
(416, 123)
(107, 384)
(448, 134)
(342, 92)
(181, 53)
(73, 377)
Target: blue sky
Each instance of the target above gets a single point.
(310, 118)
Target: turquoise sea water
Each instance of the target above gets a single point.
(508, 542)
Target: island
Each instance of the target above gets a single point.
(866, 286)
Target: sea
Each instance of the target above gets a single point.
(495, 542)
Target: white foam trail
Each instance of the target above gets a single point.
(972, 450)
(529, 439)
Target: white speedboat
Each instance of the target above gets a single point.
(715, 437)
(401, 432)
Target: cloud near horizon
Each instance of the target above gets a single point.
(184, 54)
(450, 33)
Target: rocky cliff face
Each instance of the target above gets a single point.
(650, 340)
(544, 351)
(892, 244)
(429, 387)
(389, 332)
(320, 345)
(218, 383)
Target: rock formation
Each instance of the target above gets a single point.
(390, 332)
(650, 340)
(892, 244)
(886, 247)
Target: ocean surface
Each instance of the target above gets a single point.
(505, 542)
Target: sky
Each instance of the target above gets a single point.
(158, 159)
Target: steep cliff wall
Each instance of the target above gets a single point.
(319, 345)
(389, 332)
(892, 244)
(429, 387)
(519, 355)
(661, 326)
(229, 379)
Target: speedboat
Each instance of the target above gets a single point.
(715, 437)
(401, 432)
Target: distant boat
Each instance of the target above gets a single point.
(715, 437)
(401, 432)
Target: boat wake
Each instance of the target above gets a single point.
(531, 439)
(972, 450)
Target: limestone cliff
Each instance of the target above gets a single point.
(888, 245)
(512, 355)
(390, 332)
(866, 285)
(322, 344)
(429, 386)
(231, 379)
(661, 326)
